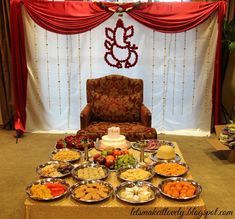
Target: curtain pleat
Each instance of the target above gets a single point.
(6, 102)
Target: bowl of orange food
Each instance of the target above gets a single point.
(179, 188)
(170, 168)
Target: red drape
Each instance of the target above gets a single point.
(72, 17)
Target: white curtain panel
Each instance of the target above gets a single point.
(177, 70)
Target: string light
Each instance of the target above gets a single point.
(195, 68)
(183, 75)
(69, 77)
(79, 71)
(174, 67)
(58, 71)
(37, 91)
(153, 70)
(47, 72)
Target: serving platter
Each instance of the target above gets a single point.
(98, 144)
(154, 157)
(169, 168)
(131, 186)
(137, 145)
(44, 182)
(77, 196)
(131, 171)
(54, 169)
(66, 150)
(82, 167)
(198, 188)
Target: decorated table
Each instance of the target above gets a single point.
(161, 207)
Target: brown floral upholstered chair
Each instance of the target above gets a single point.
(116, 100)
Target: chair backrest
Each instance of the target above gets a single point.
(115, 98)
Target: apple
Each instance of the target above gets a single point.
(96, 156)
(110, 163)
(101, 160)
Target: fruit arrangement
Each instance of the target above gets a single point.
(114, 158)
(75, 142)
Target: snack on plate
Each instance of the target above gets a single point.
(66, 155)
(54, 169)
(47, 190)
(41, 191)
(91, 192)
(166, 152)
(91, 173)
(134, 174)
(170, 169)
(136, 194)
(179, 189)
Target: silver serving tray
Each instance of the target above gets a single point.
(137, 145)
(154, 157)
(170, 161)
(98, 144)
(147, 168)
(178, 179)
(84, 182)
(65, 149)
(39, 168)
(86, 165)
(124, 185)
(44, 181)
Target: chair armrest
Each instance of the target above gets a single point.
(145, 116)
(85, 116)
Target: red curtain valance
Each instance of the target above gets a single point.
(72, 17)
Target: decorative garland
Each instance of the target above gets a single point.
(114, 46)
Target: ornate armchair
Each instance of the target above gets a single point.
(116, 100)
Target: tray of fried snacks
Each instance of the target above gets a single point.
(47, 189)
(65, 154)
(171, 168)
(179, 188)
(91, 191)
(54, 169)
(135, 173)
(90, 171)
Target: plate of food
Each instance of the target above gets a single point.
(54, 169)
(91, 191)
(115, 159)
(150, 145)
(47, 189)
(165, 152)
(65, 154)
(179, 188)
(138, 192)
(171, 168)
(75, 142)
(90, 171)
(135, 173)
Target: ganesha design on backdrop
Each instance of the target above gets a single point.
(121, 53)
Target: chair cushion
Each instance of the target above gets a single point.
(133, 131)
(116, 108)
